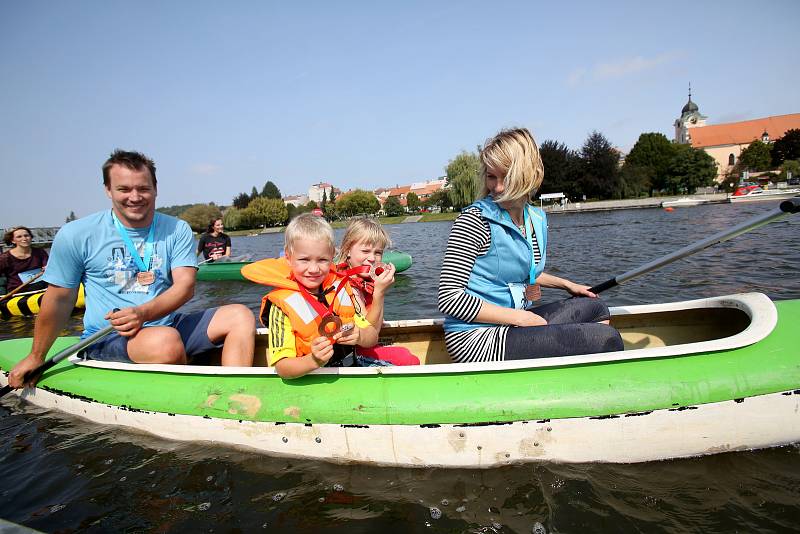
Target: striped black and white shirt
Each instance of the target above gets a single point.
(470, 237)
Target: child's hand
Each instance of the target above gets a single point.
(385, 279)
(322, 350)
(349, 337)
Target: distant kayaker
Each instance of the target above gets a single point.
(22, 262)
(494, 263)
(214, 243)
(142, 263)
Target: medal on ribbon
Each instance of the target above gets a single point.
(144, 277)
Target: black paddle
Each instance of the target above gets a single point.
(80, 345)
(786, 207)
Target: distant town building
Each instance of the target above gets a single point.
(296, 200)
(725, 142)
(316, 191)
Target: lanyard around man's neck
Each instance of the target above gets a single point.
(143, 263)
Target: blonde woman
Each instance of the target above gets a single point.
(494, 262)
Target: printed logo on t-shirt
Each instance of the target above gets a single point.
(121, 270)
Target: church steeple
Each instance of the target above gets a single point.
(690, 106)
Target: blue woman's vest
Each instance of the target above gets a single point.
(508, 260)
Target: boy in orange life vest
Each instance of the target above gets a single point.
(307, 301)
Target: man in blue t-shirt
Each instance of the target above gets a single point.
(138, 267)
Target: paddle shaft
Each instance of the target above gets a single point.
(786, 207)
(72, 349)
(19, 287)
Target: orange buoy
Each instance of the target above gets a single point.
(669, 209)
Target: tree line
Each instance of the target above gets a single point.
(654, 166)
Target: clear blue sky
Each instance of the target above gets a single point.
(227, 95)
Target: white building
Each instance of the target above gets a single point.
(296, 200)
(316, 191)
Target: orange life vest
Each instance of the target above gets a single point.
(304, 318)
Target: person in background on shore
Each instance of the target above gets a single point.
(138, 268)
(363, 244)
(22, 262)
(495, 253)
(313, 321)
(214, 244)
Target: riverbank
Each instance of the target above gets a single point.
(577, 207)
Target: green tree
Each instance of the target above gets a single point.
(412, 201)
(232, 219)
(253, 194)
(636, 181)
(324, 203)
(652, 151)
(333, 196)
(599, 177)
(440, 199)
(311, 205)
(690, 168)
(269, 211)
(463, 179)
(71, 217)
(249, 218)
(358, 202)
(786, 148)
(756, 157)
(561, 169)
(392, 207)
(199, 215)
(789, 166)
(241, 201)
(270, 190)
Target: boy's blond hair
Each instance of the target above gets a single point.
(308, 226)
(367, 230)
(515, 152)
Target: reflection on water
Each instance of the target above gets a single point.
(64, 474)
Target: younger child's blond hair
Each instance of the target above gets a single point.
(308, 226)
(369, 231)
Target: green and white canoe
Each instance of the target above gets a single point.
(696, 377)
(226, 271)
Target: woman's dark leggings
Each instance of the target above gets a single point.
(572, 328)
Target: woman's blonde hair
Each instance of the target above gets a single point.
(308, 226)
(515, 152)
(366, 230)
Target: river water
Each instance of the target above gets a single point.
(62, 474)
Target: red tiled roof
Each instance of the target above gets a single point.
(397, 191)
(743, 133)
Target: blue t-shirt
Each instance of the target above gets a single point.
(90, 250)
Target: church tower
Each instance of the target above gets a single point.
(690, 118)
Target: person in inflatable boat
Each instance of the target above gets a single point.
(312, 315)
(363, 244)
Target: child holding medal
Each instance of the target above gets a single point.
(312, 315)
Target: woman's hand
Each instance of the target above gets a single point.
(526, 318)
(578, 290)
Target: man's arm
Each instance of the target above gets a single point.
(57, 305)
(128, 321)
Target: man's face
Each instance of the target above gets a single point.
(133, 195)
(310, 261)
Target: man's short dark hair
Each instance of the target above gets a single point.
(133, 160)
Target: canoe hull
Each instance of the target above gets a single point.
(687, 397)
(736, 425)
(29, 304)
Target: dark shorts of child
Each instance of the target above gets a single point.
(192, 327)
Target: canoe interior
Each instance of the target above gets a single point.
(639, 331)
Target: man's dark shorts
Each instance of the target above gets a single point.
(192, 327)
